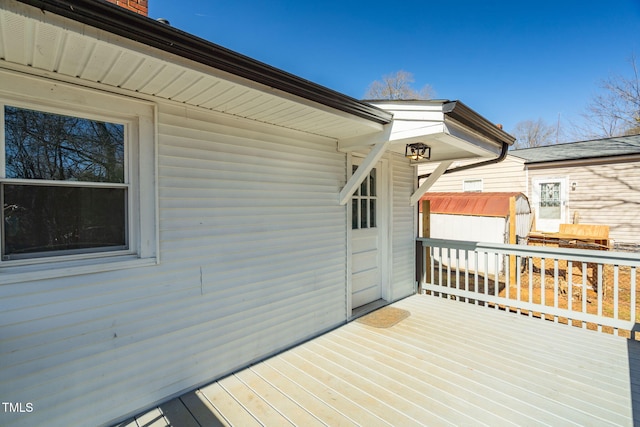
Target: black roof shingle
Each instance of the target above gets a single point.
(597, 148)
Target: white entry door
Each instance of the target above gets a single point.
(368, 225)
(549, 200)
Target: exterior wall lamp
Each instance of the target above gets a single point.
(417, 151)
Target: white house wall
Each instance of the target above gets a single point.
(403, 228)
(252, 245)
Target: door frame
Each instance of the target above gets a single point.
(384, 227)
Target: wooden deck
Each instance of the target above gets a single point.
(448, 363)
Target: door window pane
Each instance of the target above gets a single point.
(550, 201)
(372, 213)
(363, 214)
(364, 203)
(372, 182)
(355, 218)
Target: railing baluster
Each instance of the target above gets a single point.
(440, 260)
(475, 274)
(448, 268)
(531, 284)
(466, 270)
(457, 284)
(632, 302)
(556, 289)
(570, 287)
(543, 285)
(496, 277)
(518, 282)
(432, 266)
(486, 273)
(603, 271)
(615, 294)
(584, 291)
(600, 295)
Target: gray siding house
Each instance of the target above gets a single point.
(174, 211)
(586, 182)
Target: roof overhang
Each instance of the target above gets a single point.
(106, 46)
(450, 128)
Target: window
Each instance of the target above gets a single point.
(65, 187)
(77, 185)
(364, 201)
(472, 185)
(550, 202)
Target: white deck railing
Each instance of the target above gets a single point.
(588, 288)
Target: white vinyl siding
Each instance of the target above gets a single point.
(507, 175)
(253, 260)
(403, 228)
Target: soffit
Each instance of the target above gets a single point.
(62, 48)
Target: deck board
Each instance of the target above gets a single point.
(448, 363)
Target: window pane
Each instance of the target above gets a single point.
(550, 201)
(372, 182)
(50, 146)
(354, 168)
(363, 214)
(41, 219)
(355, 219)
(363, 188)
(372, 213)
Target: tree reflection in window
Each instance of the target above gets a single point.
(87, 211)
(41, 145)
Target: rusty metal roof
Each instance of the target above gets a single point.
(474, 204)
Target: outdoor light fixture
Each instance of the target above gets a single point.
(417, 151)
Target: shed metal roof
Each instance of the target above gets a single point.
(597, 148)
(474, 204)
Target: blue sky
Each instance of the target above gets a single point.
(508, 60)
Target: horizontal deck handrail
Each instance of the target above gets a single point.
(585, 255)
(591, 288)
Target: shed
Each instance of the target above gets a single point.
(479, 217)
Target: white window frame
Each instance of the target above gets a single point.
(139, 119)
(474, 181)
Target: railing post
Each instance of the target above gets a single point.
(426, 233)
(512, 238)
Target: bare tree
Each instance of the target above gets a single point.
(529, 133)
(615, 111)
(397, 86)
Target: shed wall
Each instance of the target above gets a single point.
(252, 243)
(469, 228)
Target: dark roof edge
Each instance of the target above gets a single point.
(117, 20)
(603, 158)
(465, 115)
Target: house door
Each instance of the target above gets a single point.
(549, 197)
(368, 225)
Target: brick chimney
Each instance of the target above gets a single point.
(137, 6)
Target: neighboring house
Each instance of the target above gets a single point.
(174, 211)
(587, 182)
